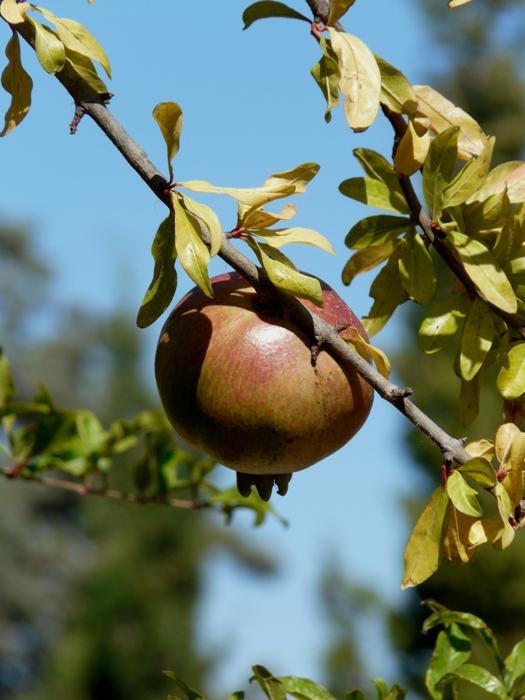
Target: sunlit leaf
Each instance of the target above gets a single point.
(189, 692)
(476, 339)
(511, 377)
(266, 9)
(513, 481)
(7, 389)
(164, 283)
(481, 470)
(327, 75)
(49, 48)
(470, 177)
(396, 91)
(439, 168)
(271, 686)
(463, 496)
(515, 664)
(279, 237)
(442, 323)
(191, 249)
(376, 230)
(17, 83)
(507, 176)
(86, 70)
(416, 269)
(374, 193)
(360, 80)
(368, 350)
(366, 259)
(478, 676)
(387, 292)
(14, 12)
(304, 688)
(451, 650)
(209, 219)
(481, 448)
(412, 149)
(338, 8)
(259, 218)
(168, 116)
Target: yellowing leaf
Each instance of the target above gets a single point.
(470, 178)
(484, 270)
(423, 550)
(439, 167)
(463, 496)
(338, 8)
(366, 259)
(259, 218)
(511, 377)
(13, 11)
(480, 469)
(191, 250)
(513, 481)
(505, 436)
(266, 9)
(209, 220)
(86, 70)
(17, 83)
(360, 80)
(297, 178)
(49, 49)
(443, 114)
(396, 92)
(506, 535)
(162, 288)
(168, 116)
(457, 3)
(507, 176)
(367, 350)
(456, 545)
(279, 237)
(412, 150)
(476, 339)
(416, 269)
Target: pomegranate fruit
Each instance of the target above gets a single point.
(239, 381)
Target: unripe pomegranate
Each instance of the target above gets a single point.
(238, 381)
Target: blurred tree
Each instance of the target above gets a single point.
(96, 598)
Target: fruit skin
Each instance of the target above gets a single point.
(237, 381)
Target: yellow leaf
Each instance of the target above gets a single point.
(367, 350)
(209, 219)
(49, 49)
(412, 150)
(337, 9)
(456, 545)
(168, 116)
(259, 218)
(279, 237)
(513, 481)
(457, 3)
(481, 448)
(191, 249)
(18, 84)
(360, 80)
(505, 436)
(14, 12)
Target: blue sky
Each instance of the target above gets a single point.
(251, 108)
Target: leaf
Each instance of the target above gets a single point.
(451, 650)
(443, 616)
(505, 436)
(17, 83)
(304, 688)
(267, 9)
(367, 350)
(441, 324)
(327, 75)
(443, 114)
(515, 664)
(476, 339)
(191, 250)
(439, 168)
(168, 116)
(87, 71)
(422, 553)
(374, 193)
(377, 167)
(507, 176)
(396, 91)
(470, 177)
(279, 237)
(513, 481)
(481, 448)
(338, 8)
(259, 218)
(479, 677)
(463, 496)
(457, 3)
(481, 470)
(365, 260)
(7, 387)
(49, 49)
(14, 12)
(506, 535)
(284, 275)
(164, 283)
(360, 80)
(387, 292)
(77, 38)
(209, 220)
(271, 686)
(416, 270)
(484, 270)
(376, 230)
(412, 149)
(511, 377)
(189, 692)
(469, 400)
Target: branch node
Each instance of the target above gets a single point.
(80, 110)
(400, 393)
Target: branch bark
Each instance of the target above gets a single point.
(93, 105)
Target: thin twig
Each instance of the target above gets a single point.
(95, 108)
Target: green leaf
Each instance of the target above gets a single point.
(479, 677)
(354, 695)
(451, 650)
(507, 176)
(271, 686)
(377, 167)
(511, 377)
(374, 193)
(365, 260)
(164, 283)
(484, 270)
(85, 68)
(439, 168)
(469, 400)
(191, 249)
(327, 75)
(279, 237)
(443, 616)
(416, 269)
(49, 48)
(284, 275)
(17, 82)
(463, 496)
(304, 688)
(77, 38)
(266, 9)
(376, 230)
(470, 177)
(396, 91)
(476, 339)
(338, 8)
(388, 293)
(7, 387)
(423, 551)
(481, 470)
(360, 80)
(515, 665)
(189, 692)
(209, 220)
(442, 323)
(383, 693)
(168, 116)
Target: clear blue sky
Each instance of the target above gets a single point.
(251, 108)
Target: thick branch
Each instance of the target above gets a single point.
(437, 236)
(94, 106)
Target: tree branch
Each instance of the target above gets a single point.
(94, 106)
